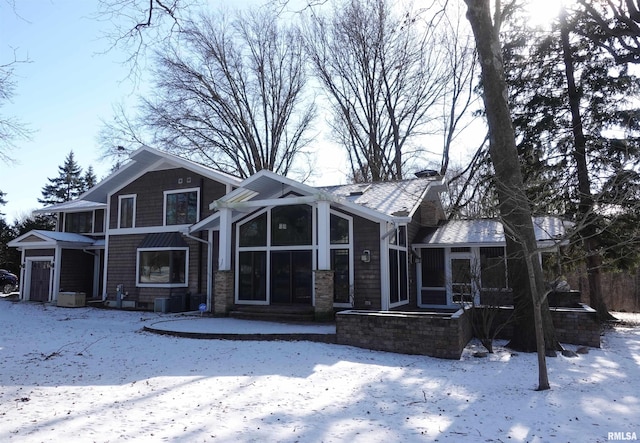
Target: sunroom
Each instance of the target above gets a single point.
(465, 260)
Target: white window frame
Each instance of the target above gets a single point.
(133, 220)
(398, 249)
(163, 285)
(348, 246)
(180, 191)
(313, 247)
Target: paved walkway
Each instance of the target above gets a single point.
(237, 329)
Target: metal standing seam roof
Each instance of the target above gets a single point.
(393, 198)
(484, 231)
(163, 240)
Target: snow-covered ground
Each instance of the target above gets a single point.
(85, 375)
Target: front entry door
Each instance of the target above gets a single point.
(39, 281)
(291, 277)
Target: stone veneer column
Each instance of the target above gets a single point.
(223, 292)
(324, 294)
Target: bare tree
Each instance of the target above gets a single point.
(11, 129)
(229, 93)
(383, 73)
(459, 94)
(525, 271)
(136, 26)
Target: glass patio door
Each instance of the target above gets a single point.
(461, 278)
(291, 277)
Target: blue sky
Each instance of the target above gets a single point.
(72, 82)
(69, 84)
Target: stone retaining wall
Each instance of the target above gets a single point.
(445, 335)
(442, 335)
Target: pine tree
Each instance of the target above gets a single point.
(68, 185)
(89, 179)
(579, 138)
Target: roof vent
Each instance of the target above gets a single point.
(426, 173)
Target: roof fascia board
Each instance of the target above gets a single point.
(431, 187)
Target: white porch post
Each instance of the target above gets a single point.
(324, 235)
(209, 269)
(224, 255)
(384, 267)
(56, 274)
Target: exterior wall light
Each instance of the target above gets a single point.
(366, 256)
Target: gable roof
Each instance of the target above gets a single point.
(140, 161)
(549, 231)
(48, 239)
(384, 201)
(393, 198)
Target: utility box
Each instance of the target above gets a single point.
(161, 305)
(71, 299)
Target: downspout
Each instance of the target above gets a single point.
(209, 244)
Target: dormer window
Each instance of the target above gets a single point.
(181, 207)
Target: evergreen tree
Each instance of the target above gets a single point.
(2, 200)
(579, 138)
(89, 179)
(68, 185)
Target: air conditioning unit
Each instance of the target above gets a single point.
(71, 299)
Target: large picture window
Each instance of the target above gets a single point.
(162, 267)
(181, 207)
(79, 222)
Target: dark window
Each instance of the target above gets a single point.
(162, 267)
(254, 232)
(398, 290)
(493, 269)
(182, 208)
(252, 276)
(340, 267)
(79, 222)
(433, 268)
(291, 225)
(339, 230)
(126, 212)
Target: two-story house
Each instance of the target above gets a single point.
(162, 226)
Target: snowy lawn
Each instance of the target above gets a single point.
(84, 375)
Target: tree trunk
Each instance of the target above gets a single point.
(588, 233)
(513, 204)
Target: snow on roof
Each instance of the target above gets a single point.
(67, 237)
(393, 198)
(482, 231)
(71, 206)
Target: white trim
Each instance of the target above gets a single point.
(350, 248)
(324, 235)
(133, 215)
(165, 193)
(268, 248)
(398, 249)
(163, 285)
(384, 268)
